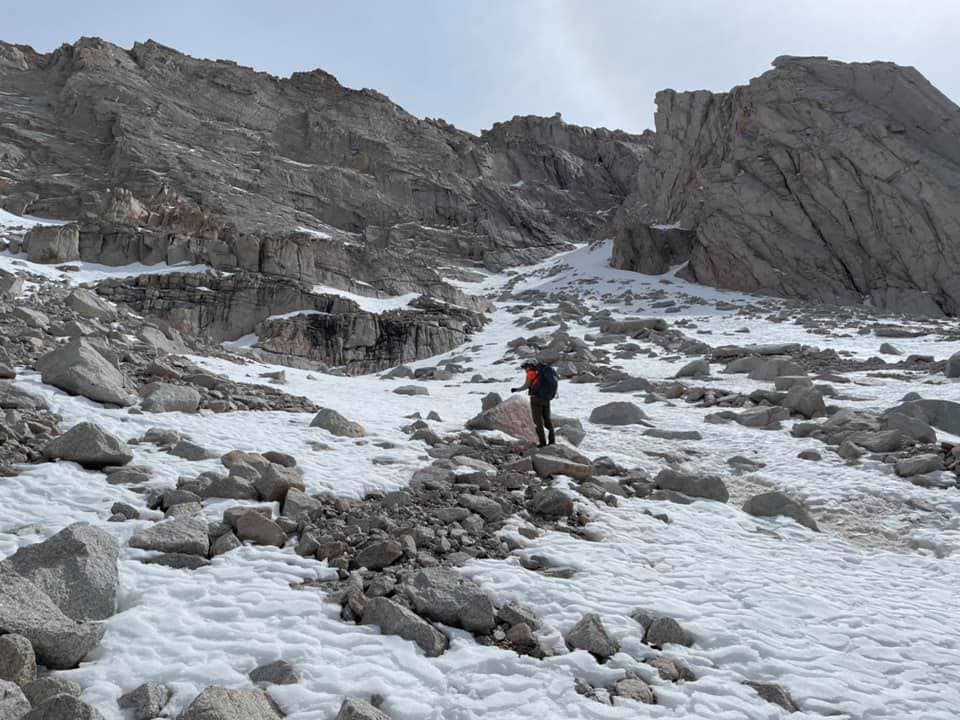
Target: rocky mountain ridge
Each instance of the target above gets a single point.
(827, 181)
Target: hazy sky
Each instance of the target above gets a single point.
(473, 62)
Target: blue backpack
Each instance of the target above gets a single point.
(547, 380)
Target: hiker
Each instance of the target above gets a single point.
(541, 384)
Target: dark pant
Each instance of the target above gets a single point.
(541, 418)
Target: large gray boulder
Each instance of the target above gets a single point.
(512, 416)
(618, 413)
(218, 703)
(805, 401)
(77, 368)
(51, 244)
(58, 641)
(941, 414)
(76, 568)
(775, 503)
(703, 486)
(443, 595)
(181, 535)
(89, 445)
(395, 619)
(336, 424)
(822, 180)
(165, 397)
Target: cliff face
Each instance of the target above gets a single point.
(231, 152)
(821, 180)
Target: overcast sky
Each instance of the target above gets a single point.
(473, 62)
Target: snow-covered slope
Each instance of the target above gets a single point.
(856, 621)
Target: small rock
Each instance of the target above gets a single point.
(665, 630)
(618, 413)
(279, 672)
(63, 707)
(551, 503)
(775, 694)
(147, 701)
(590, 635)
(39, 691)
(634, 689)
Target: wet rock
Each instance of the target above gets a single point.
(442, 595)
(18, 663)
(618, 413)
(63, 707)
(76, 568)
(411, 390)
(89, 445)
(147, 701)
(590, 635)
(79, 369)
(395, 619)
(279, 672)
(771, 504)
(182, 535)
(702, 486)
(297, 503)
(217, 703)
(812, 455)
(336, 424)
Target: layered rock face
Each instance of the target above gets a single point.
(149, 146)
(820, 180)
(292, 322)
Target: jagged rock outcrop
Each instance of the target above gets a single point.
(291, 321)
(819, 179)
(148, 147)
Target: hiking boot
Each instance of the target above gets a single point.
(553, 439)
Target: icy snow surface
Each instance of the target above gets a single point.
(369, 304)
(851, 620)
